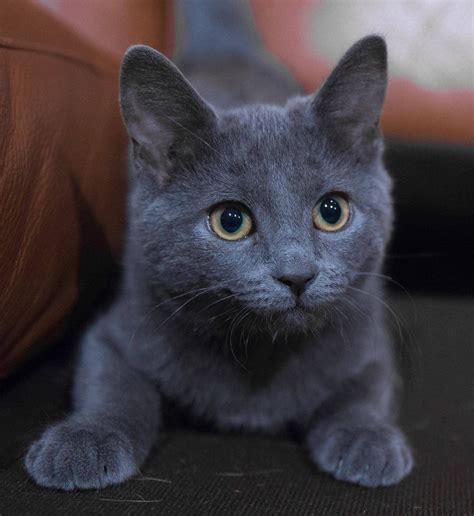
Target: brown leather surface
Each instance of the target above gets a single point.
(62, 154)
(114, 25)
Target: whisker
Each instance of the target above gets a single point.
(192, 133)
(341, 327)
(183, 305)
(148, 315)
(234, 323)
(387, 306)
(395, 282)
(154, 308)
(217, 302)
(211, 320)
(412, 347)
(247, 341)
(242, 332)
(349, 301)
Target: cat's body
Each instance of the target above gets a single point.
(284, 327)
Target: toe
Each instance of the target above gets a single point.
(367, 456)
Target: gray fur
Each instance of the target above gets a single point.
(214, 28)
(203, 322)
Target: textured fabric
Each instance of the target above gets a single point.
(62, 161)
(196, 472)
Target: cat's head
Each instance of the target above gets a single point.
(275, 208)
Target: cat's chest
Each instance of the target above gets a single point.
(262, 391)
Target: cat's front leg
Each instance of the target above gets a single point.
(356, 439)
(111, 430)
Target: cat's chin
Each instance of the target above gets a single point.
(296, 319)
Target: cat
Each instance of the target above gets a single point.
(251, 295)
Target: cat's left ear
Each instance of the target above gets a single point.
(349, 103)
(164, 115)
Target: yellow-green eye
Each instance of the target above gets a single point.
(230, 221)
(331, 213)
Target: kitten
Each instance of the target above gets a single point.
(250, 295)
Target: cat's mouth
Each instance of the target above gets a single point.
(297, 317)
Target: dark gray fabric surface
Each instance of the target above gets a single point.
(431, 249)
(194, 472)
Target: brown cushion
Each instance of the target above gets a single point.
(62, 155)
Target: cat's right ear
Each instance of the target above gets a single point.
(165, 116)
(349, 103)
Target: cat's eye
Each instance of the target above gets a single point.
(231, 221)
(331, 213)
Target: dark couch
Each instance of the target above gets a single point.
(198, 472)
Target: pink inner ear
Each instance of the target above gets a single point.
(411, 111)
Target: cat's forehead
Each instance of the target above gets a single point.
(254, 127)
(265, 144)
(265, 137)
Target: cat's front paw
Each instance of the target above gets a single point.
(73, 456)
(376, 455)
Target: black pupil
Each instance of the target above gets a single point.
(231, 219)
(330, 210)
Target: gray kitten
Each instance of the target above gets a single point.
(251, 294)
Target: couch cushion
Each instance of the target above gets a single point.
(62, 171)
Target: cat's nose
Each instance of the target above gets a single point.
(297, 282)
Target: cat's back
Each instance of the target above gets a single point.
(220, 52)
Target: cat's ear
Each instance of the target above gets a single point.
(163, 113)
(349, 103)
